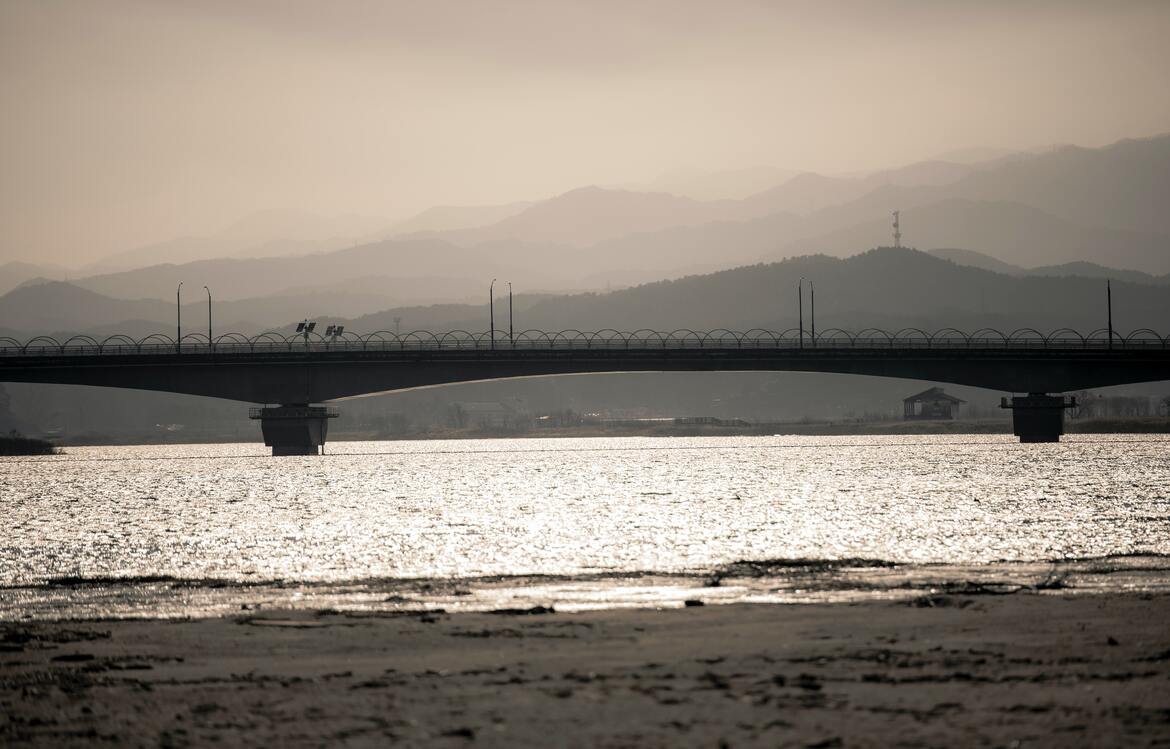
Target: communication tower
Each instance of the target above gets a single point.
(897, 230)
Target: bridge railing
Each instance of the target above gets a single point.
(569, 340)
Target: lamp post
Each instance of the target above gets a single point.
(1109, 308)
(812, 293)
(492, 312)
(208, 317)
(511, 336)
(178, 319)
(800, 310)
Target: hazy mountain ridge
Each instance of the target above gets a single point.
(1122, 186)
(974, 259)
(56, 307)
(60, 306)
(980, 207)
(809, 192)
(882, 288)
(634, 237)
(1083, 269)
(593, 214)
(231, 278)
(1014, 232)
(452, 217)
(261, 234)
(715, 184)
(887, 287)
(18, 273)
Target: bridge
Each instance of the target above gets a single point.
(291, 373)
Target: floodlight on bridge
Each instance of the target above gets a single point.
(329, 331)
(300, 327)
(339, 330)
(310, 327)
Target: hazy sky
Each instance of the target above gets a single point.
(124, 122)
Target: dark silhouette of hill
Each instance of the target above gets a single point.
(1027, 236)
(886, 287)
(977, 260)
(1017, 233)
(55, 307)
(1083, 269)
(1093, 270)
(59, 306)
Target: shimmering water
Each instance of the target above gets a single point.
(205, 528)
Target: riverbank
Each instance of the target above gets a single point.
(1034, 669)
(337, 433)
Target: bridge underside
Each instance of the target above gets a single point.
(301, 379)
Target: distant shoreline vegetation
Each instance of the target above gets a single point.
(17, 444)
(667, 428)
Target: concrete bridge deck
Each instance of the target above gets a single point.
(294, 371)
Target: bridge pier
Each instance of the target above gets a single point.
(1037, 417)
(297, 429)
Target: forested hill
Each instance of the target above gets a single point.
(885, 287)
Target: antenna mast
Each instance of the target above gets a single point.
(897, 230)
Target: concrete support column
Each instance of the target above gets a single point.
(1037, 417)
(296, 429)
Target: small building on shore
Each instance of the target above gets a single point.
(931, 404)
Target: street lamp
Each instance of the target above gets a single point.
(178, 319)
(800, 310)
(511, 337)
(800, 314)
(1109, 310)
(812, 294)
(208, 317)
(492, 312)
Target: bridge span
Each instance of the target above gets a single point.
(294, 372)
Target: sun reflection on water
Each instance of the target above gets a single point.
(226, 515)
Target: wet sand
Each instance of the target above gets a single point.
(1026, 669)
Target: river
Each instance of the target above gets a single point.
(189, 530)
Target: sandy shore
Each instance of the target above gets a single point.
(1015, 670)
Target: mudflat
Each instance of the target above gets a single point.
(1026, 669)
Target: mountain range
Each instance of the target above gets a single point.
(270, 233)
(1065, 211)
(889, 288)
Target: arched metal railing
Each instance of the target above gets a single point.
(680, 339)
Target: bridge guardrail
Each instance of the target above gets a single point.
(272, 342)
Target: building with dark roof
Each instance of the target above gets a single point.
(931, 404)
